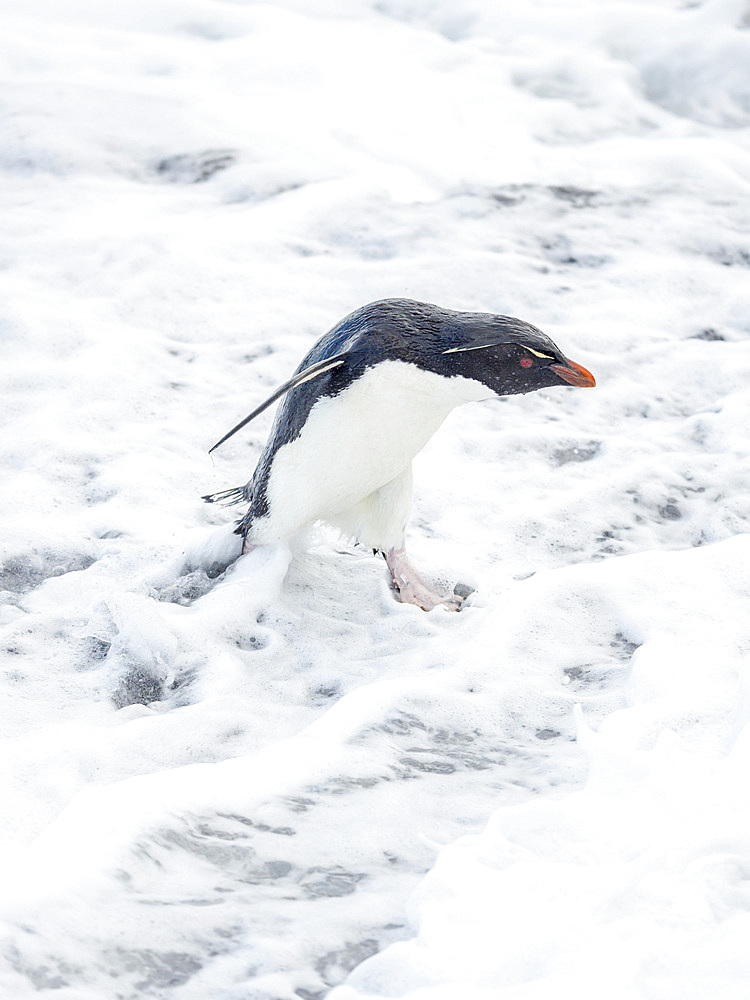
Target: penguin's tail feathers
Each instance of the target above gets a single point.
(228, 498)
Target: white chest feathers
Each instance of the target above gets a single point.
(355, 443)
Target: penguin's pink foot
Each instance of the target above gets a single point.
(412, 589)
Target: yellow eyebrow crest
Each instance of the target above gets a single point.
(482, 347)
(476, 347)
(538, 354)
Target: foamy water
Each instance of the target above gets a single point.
(267, 783)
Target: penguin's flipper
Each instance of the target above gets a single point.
(319, 368)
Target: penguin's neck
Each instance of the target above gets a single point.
(387, 415)
(423, 397)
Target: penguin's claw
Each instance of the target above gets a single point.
(411, 588)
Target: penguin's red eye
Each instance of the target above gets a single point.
(526, 362)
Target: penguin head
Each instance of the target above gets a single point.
(507, 355)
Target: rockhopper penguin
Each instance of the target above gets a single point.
(368, 396)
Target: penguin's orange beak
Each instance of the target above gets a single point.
(575, 374)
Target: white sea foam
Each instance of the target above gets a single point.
(270, 780)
